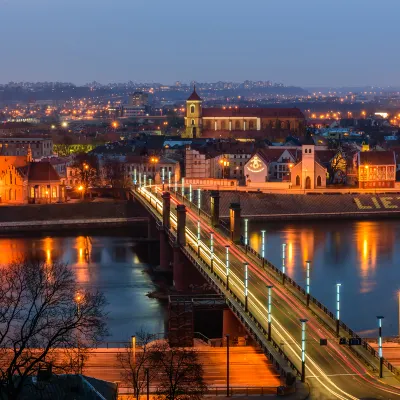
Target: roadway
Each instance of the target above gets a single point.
(332, 371)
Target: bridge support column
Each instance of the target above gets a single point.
(235, 222)
(231, 325)
(214, 198)
(165, 251)
(178, 269)
(166, 208)
(181, 224)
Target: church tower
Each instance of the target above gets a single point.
(308, 163)
(193, 119)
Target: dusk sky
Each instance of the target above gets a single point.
(308, 42)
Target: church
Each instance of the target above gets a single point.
(238, 123)
(24, 181)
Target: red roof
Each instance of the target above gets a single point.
(253, 112)
(42, 171)
(194, 96)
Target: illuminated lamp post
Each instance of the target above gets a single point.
(283, 263)
(212, 251)
(150, 180)
(169, 180)
(246, 233)
(198, 238)
(380, 318)
(163, 176)
(263, 247)
(199, 199)
(176, 187)
(303, 349)
(144, 180)
(133, 345)
(246, 283)
(183, 187)
(308, 282)
(227, 265)
(135, 176)
(190, 193)
(269, 310)
(140, 179)
(79, 300)
(338, 307)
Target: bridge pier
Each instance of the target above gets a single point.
(235, 222)
(181, 224)
(214, 206)
(165, 251)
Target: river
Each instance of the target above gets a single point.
(361, 255)
(115, 265)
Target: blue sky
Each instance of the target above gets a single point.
(301, 42)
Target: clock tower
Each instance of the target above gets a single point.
(193, 119)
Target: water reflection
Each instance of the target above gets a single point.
(114, 265)
(359, 254)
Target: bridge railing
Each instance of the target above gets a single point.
(322, 307)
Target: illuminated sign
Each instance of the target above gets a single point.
(377, 203)
(255, 165)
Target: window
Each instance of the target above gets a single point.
(237, 124)
(32, 192)
(319, 181)
(54, 192)
(297, 180)
(192, 109)
(192, 121)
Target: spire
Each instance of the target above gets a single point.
(194, 96)
(29, 154)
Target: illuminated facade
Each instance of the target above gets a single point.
(376, 169)
(238, 122)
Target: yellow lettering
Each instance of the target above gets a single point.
(360, 206)
(375, 201)
(386, 201)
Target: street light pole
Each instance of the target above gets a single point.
(198, 238)
(140, 179)
(134, 176)
(183, 187)
(303, 349)
(246, 282)
(133, 343)
(283, 263)
(190, 193)
(227, 266)
(338, 308)
(308, 283)
(269, 310)
(169, 180)
(263, 247)
(227, 365)
(148, 383)
(246, 233)
(199, 199)
(380, 318)
(212, 251)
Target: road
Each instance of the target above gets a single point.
(332, 371)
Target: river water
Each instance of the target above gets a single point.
(115, 265)
(361, 255)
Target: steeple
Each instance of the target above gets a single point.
(29, 154)
(194, 96)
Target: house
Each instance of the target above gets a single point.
(376, 169)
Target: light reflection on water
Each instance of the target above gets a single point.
(359, 254)
(112, 265)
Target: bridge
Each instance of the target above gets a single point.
(286, 322)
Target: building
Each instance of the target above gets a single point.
(154, 167)
(18, 146)
(235, 122)
(139, 99)
(25, 181)
(376, 169)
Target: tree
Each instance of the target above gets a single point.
(88, 169)
(114, 174)
(42, 319)
(337, 167)
(138, 362)
(181, 374)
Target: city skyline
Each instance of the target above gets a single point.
(297, 44)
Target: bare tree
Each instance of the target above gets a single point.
(88, 169)
(42, 317)
(137, 361)
(181, 373)
(114, 174)
(337, 167)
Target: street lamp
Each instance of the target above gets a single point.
(134, 176)
(263, 247)
(212, 251)
(163, 176)
(183, 187)
(283, 263)
(227, 266)
(140, 179)
(78, 300)
(246, 282)
(303, 349)
(269, 310)
(246, 232)
(308, 283)
(144, 180)
(380, 318)
(133, 344)
(190, 193)
(199, 199)
(198, 238)
(169, 180)
(337, 307)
